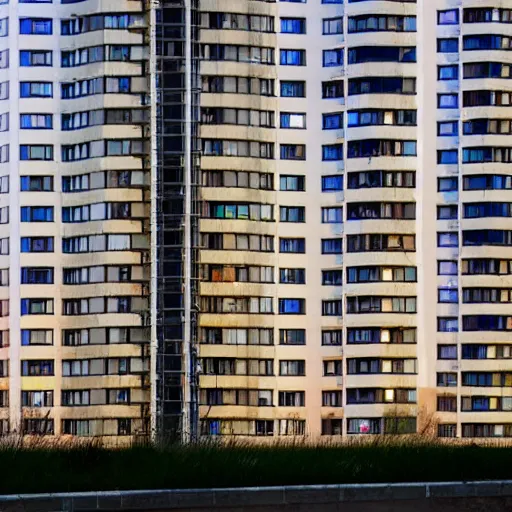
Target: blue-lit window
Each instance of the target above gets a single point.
(36, 89)
(332, 215)
(332, 246)
(35, 58)
(332, 183)
(36, 152)
(448, 72)
(36, 275)
(447, 324)
(448, 100)
(447, 128)
(447, 156)
(447, 268)
(293, 25)
(332, 26)
(292, 213)
(37, 244)
(292, 182)
(292, 245)
(293, 89)
(332, 1)
(332, 58)
(332, 121)
(447, 295)
(36, 121)
(447, 239)
(36, 183)
(447, 184)
(37, 307)
(292, 120)
(447, 212)
(448, 17)
(37, 214)
(293, 152)
(332, 152)
(36, 26)
(450, 45)
(292, 306)
(292, 57)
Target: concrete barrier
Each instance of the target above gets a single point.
(415, 497)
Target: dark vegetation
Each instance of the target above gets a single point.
(40, 468)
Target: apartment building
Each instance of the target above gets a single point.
(74, 207)
(354, 266)
(255, 218)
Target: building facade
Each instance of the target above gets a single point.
(255, 218)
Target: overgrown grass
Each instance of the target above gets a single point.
(89, 467)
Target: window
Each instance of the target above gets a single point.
(292, 336)
(448, 100)
(447, 129)
(36, 183)
(293, 26)
(447, 184)
(292, 275)
(36, 337)
(332, 121)
(36, 121)
(447, 212)
(292, 306)
(37, 214)
(332, 26)
(293, 152)
(332, 338)
(36, 275)
(332, 246)
(448, 45)
(36, 90)
(332, 215)
(37, 367)
(370, 148)
(332, 183)
(447, 352)
(332, 152)
(332, 308)
(448, 17)
(289, 120)
(332, 58)
(332, 277)
(292, 57)
(293, 89)
(381, 23)
(447, 324)
(36, 26)
(37, 398)
(291, 398)
(35, 58)
(447, 430)
(447, 156)
(448, 72)
(292, 213)
(38, 152)
(37, 306)
(37, 244)
(446, 268)
(447, 239)
(292, 368)
(292, 183)
(447, 379)
(364, 54)
(292, 245)
(381, 85)
(332, 89)
(332, 368)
